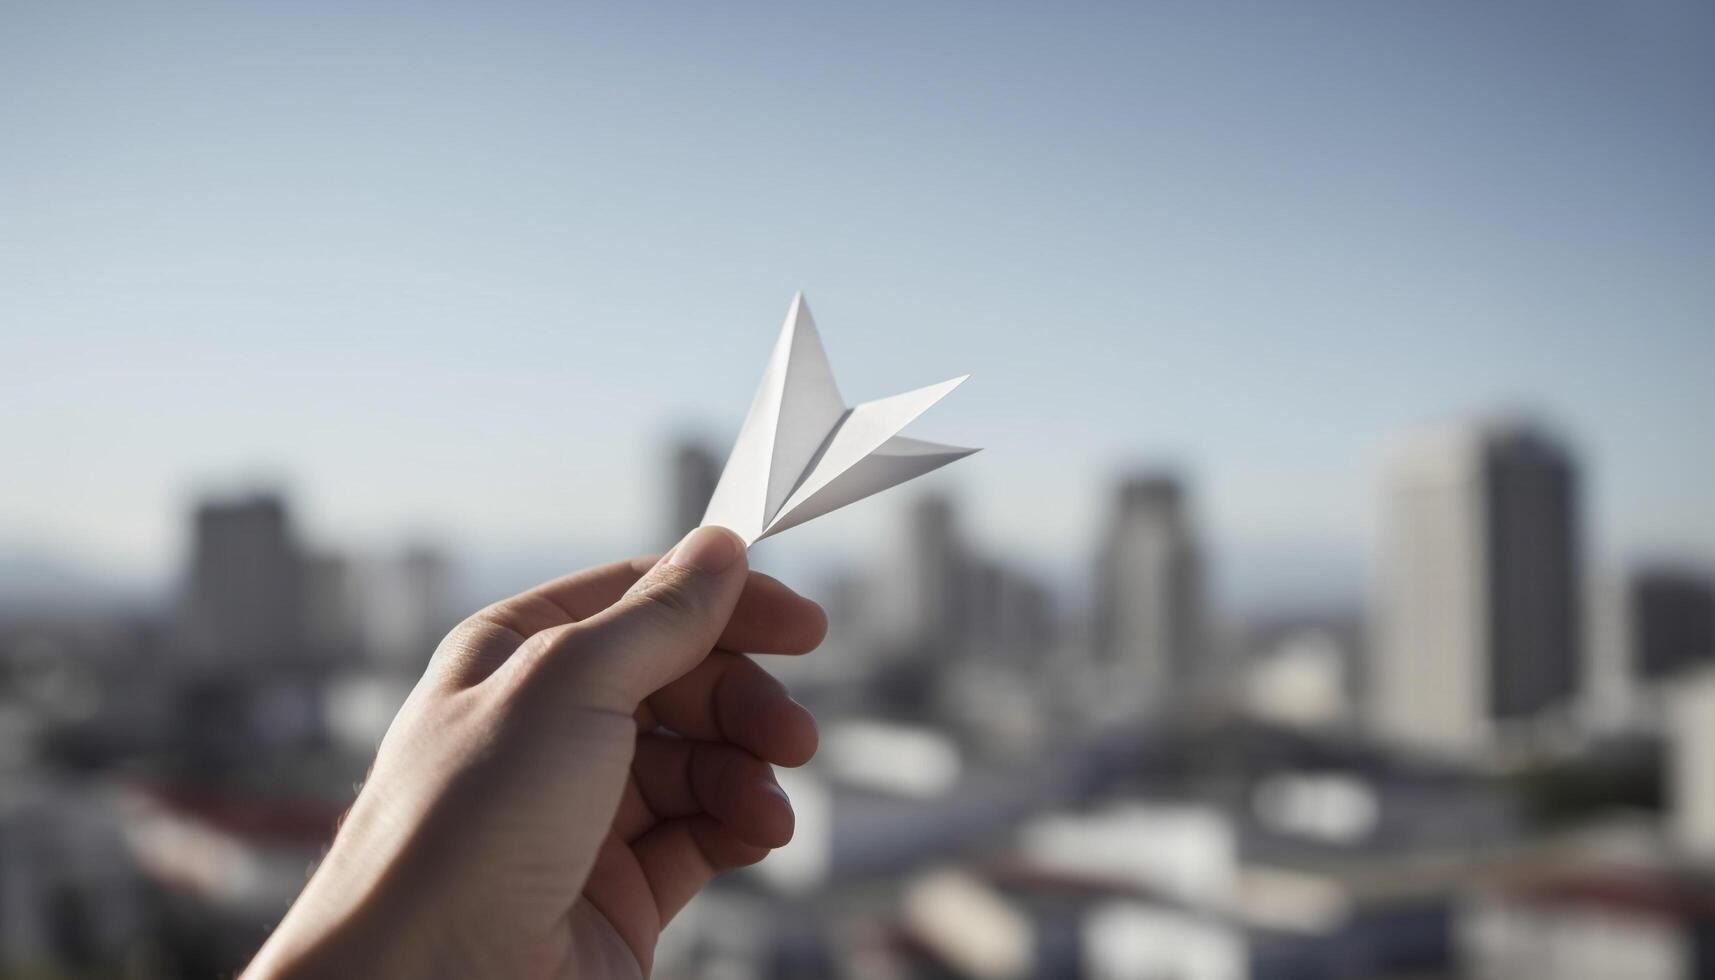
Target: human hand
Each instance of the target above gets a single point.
(575, 764)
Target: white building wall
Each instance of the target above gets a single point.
(1692, 766)
(1430, 683)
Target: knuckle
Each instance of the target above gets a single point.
(668, 597)
(544, 653)
(538, 647)
(490, 616)
(466, 634)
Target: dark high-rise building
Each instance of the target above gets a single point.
(244, 598)
(1480, 614)
(1533, 576)
(1149, 584)
(1672, 621)
(696, 470)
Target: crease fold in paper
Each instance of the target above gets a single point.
(802, 453)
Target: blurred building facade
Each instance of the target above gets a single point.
(1691, 715)
(408, 605)
(937, 584)
(244, 592)
(1148, 620)
(1480, 613)
(1671, 621)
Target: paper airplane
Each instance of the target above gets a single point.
(802, 452)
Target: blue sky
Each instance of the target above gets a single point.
(461, 269)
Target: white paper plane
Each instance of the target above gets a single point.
(803, 453)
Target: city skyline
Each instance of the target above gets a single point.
(1481, 624)
(439, 295)
(1242, 578)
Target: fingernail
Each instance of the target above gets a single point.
(708, 549)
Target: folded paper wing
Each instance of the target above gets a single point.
(802, 453)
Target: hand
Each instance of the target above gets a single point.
(576, 763)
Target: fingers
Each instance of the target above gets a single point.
(769, 618)
(679, 857)
(569, 598)
(662, 626)
(675, 778)
(692, 810)
(727, 697)
(480, 644)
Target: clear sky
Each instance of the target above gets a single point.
(463, 267)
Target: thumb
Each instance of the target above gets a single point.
(665, 624)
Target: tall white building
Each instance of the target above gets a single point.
(1479, 619)
(1691, 772)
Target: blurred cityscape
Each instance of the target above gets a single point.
(1503, 766)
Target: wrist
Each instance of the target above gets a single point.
(352, 918)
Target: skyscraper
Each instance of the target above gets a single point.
(1479, 625)
(936, 579)
(695, 471)
(244, 598)
(1148, 618)
(1672, 621)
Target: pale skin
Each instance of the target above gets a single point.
(576, 763)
